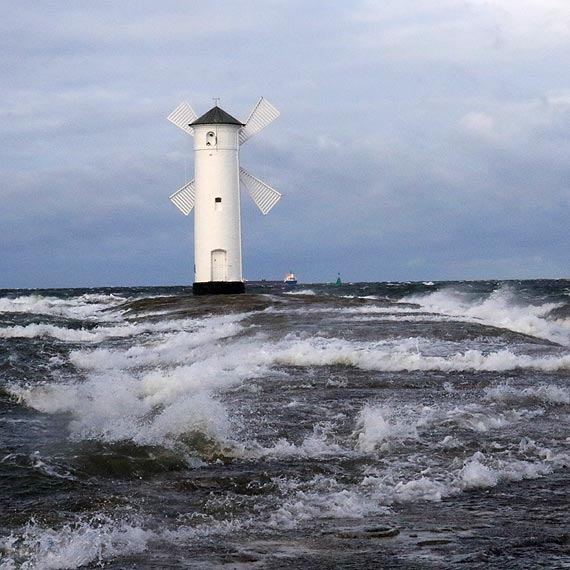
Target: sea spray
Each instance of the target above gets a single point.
(285, 430)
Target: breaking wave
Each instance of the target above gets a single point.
(393, 357)
(87, 306)
(273, 417)
(305, 292)
(122, 330)
(543, 393)
(156, 391)
(501, 309)
(326, 497)
(73, 545)
(378, 425)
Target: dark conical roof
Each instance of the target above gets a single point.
(216, 115)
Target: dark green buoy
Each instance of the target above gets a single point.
(338, 281)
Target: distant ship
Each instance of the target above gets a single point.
(290, 279)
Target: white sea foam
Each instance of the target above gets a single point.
(483, 419)
(73, 545)
(170, 384)
(308, 292)
(167, 384)
(450, 442)
(120, 330)
(400, 318)
(500, 309)
(321, 497)
(185, 533)
(99, 540)
(318, 444)
(114, 409)
(542, 393)
(367, 309)
(381, 487)
(519, 470)
(63, 333)
(337, 504)
(318, 351)
(479, 472)
(476, 475)
(87, 306)
(123, 399)
(166, 349)
(379, 425)
(422, 489)
(326, 497)
(532, 449)
(387, 489)
(156, 405)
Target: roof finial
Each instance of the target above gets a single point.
(216, 99)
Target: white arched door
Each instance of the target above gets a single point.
(219, 265)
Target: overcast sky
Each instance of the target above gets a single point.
(418, 140)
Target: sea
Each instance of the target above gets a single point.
(362, 426)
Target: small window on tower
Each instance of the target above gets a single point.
(218, 200)
(211, 138)
(218, 204)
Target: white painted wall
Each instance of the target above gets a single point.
(217, 225)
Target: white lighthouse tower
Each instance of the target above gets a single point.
(214, 192)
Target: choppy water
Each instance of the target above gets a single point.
(380, 425)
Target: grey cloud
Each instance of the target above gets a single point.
(416, 141)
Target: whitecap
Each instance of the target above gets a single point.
(476, 475)
(542, 393)
(403, 355)
(101, 333)
(89, 541)
(172, 342)
(321, 497)
(500, 309)
(306, 292)
(87, 306)
(483, 419)
(377, 425)
(318, 444)
(479, 472)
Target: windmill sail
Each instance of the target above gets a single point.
(182, 116)
(262, 115)
(263, 195)
(184, 198)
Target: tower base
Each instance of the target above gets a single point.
(218, 288)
